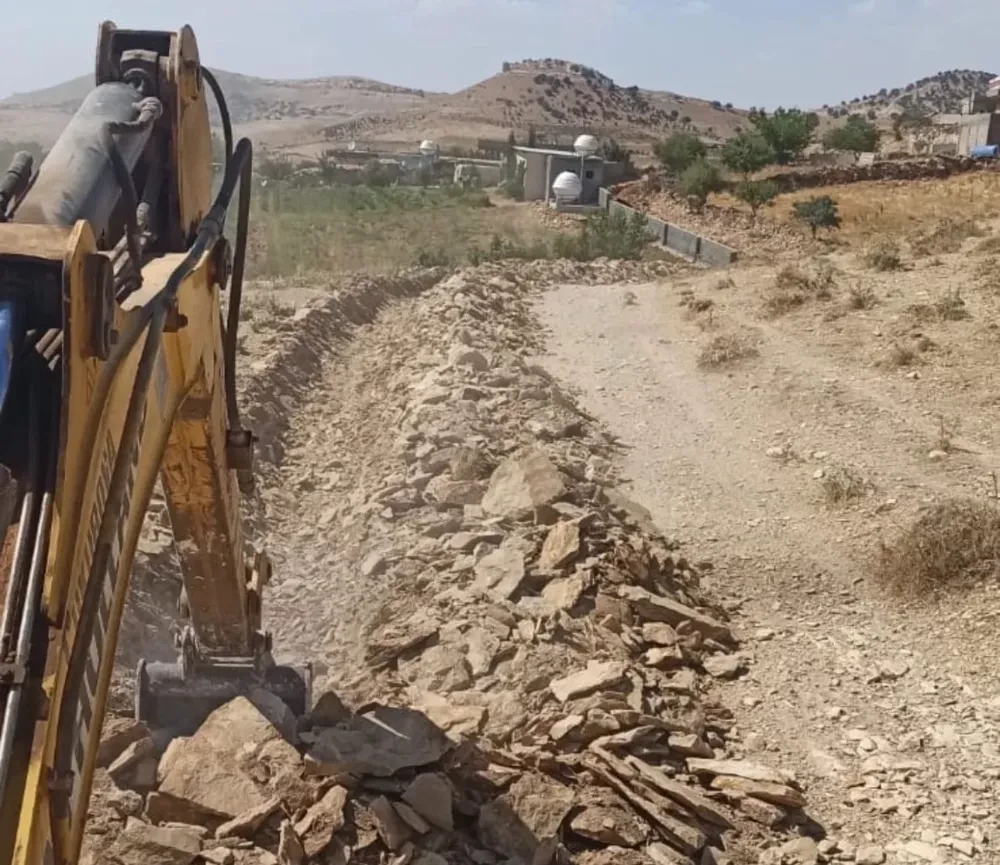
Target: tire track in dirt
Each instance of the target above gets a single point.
(889, 713)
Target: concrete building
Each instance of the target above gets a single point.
(542, 166)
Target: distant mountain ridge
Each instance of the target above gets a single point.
(557, 98)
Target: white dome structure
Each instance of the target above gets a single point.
(567, 187)
(428, 147)
(586, 145)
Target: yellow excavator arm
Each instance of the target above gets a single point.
(117, 367)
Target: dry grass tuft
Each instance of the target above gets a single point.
(950, 544)
(951, 307)
(728, 349)
(725, 283)
(884, 255)
(843, 485)
(946, 236)
(898, 355)
(861, 297)
(793, 287)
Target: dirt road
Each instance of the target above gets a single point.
(890, 714)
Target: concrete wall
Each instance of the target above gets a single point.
(675, 238)
(534, 177)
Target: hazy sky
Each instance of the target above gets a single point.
(749, 52)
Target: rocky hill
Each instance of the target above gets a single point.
(561, 97)
(258, 105)
(942, 93)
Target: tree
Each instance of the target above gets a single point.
(855, 136)
(699, 179)
(511, 140)
(613, 151)
(747, 152)
(532, 137)
(757, 193)
(819, 212)
(679, 151)
(788, 131)
(327, 165)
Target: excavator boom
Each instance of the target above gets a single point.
(117, 368)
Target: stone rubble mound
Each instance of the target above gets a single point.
(538, 683)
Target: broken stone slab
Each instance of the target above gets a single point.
(690, 745)
(380, 743)
(446, 493)
(518, 823)
(456, 719)
(680, 793)
(522, 483)
(116, 735)
(440, 669)
(462, 355)
(124, 765)
(499, 574)
(391, 829)
(142, 844)
(776, 794)
(724, 666)
(564, 594)
(217, 768)
(466, 542)
(659, 634)
(290, 850)
(322, 821)
(164, 808)
(277, 711)
(329, 711)
(482, 648)
(565, 726)
(561, 546)
(657, 608)
(248, 824)
(430, 796)
(412, 819)
(680, 835)
(398, 638)
(597, 676)
(741, 769)
(607, 819)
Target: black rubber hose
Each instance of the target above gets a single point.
(220, 101)
(236, 285)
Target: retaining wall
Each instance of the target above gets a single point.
(675, 238)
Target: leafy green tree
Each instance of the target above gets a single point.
(855, 136)
(818, 212)
(679, 151)
(757, 193)
(747, 152)
(699, 179)
(789, 131)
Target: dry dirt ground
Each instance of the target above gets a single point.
(889, 711)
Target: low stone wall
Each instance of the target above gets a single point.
(686, 243)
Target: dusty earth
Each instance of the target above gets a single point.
(390, 412)
(889, 712)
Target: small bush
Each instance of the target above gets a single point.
(727, 349)
(899, 355)
(605, 235)
(433, 258)
(782, 301)
(818, 212)
(884, 256)
(945, 237)
(949, 544)
(861, 297)
(757, 193)
(843, 485)
(503, 248)
(680, 151)
(791, 277)
(951, 307)
(700, 179)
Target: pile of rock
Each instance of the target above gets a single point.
(537, 682)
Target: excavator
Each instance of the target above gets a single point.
(118, 369)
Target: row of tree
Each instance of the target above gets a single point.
(773, 139)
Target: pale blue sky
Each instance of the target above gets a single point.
(762, 52)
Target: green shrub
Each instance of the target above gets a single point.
(699, 179)
(680, 151)
(818, 212)
(746, 153)
(757, 193)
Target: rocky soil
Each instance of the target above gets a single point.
(515, 665)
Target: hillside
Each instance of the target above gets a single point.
(943, 93)
(556, 97)
(256, 104)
